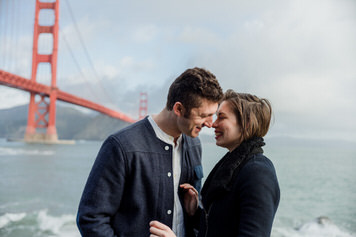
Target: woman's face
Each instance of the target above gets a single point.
(227, 130)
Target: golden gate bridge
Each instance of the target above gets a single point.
(42, 104)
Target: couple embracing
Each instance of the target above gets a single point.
(146, 179)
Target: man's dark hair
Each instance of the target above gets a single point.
(191, 87)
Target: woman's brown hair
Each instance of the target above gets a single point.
(253, 114)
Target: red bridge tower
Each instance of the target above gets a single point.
(143, 105)
(42, 113)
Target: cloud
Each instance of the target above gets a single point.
(10, 97)
(299, 54)
(302, 58)
(145, 33)
(198, 35)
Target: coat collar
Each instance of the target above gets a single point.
(220, 178)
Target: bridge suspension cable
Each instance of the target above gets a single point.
(95, 73)
(15, 55)
(10, 26)
(93, 92)
(44, 52)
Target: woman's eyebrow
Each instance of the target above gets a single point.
(220, 113)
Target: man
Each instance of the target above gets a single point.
(136, 175)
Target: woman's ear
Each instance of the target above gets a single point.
(178, 109)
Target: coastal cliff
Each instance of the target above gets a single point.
(71, 123)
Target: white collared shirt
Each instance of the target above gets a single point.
(178, 219)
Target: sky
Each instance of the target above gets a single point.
(299, 54)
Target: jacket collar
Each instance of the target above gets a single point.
(185, 140)
(220, 178)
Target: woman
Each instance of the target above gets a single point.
(241, 194)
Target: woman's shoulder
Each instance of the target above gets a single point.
(256, 175)
(259, 161)
(258, 165)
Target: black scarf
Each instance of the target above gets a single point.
(220, 178)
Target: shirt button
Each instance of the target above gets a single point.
(166, 148)
(169, 212)
(169, 174)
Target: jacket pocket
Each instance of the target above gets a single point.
(198, 175)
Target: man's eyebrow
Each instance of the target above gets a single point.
(206, 115)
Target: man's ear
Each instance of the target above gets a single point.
(178, 109)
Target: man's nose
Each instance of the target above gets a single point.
(208, 122)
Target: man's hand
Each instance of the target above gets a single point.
(159, 229)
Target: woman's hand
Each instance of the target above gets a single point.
(191, 198)
(159, 229)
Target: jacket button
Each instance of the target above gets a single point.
(169, 174)
(166, 148)
(169, 212)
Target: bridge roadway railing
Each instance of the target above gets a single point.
(18, 82)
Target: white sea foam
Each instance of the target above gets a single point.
(10, 217)
(6, 151)
(60, 226)
(54, 226)
(320, 227)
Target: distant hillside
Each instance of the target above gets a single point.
(74, 124)
(286, 141)
(71, 124)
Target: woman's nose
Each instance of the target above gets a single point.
(215, 124)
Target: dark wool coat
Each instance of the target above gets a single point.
(241, 195)
(131, 184)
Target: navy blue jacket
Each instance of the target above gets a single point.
(241, 194)
(130, 183)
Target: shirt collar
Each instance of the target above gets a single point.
(161, 134)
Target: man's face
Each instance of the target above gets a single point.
(198, 118)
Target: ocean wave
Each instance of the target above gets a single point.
(319, 227)
(39, 224)
(5, 151)
(10, 217)
(43, 224)
(52, 223)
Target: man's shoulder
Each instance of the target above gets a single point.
(134, 130)
(134, 133)
(137, 137)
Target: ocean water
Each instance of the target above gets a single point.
(40, 187)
